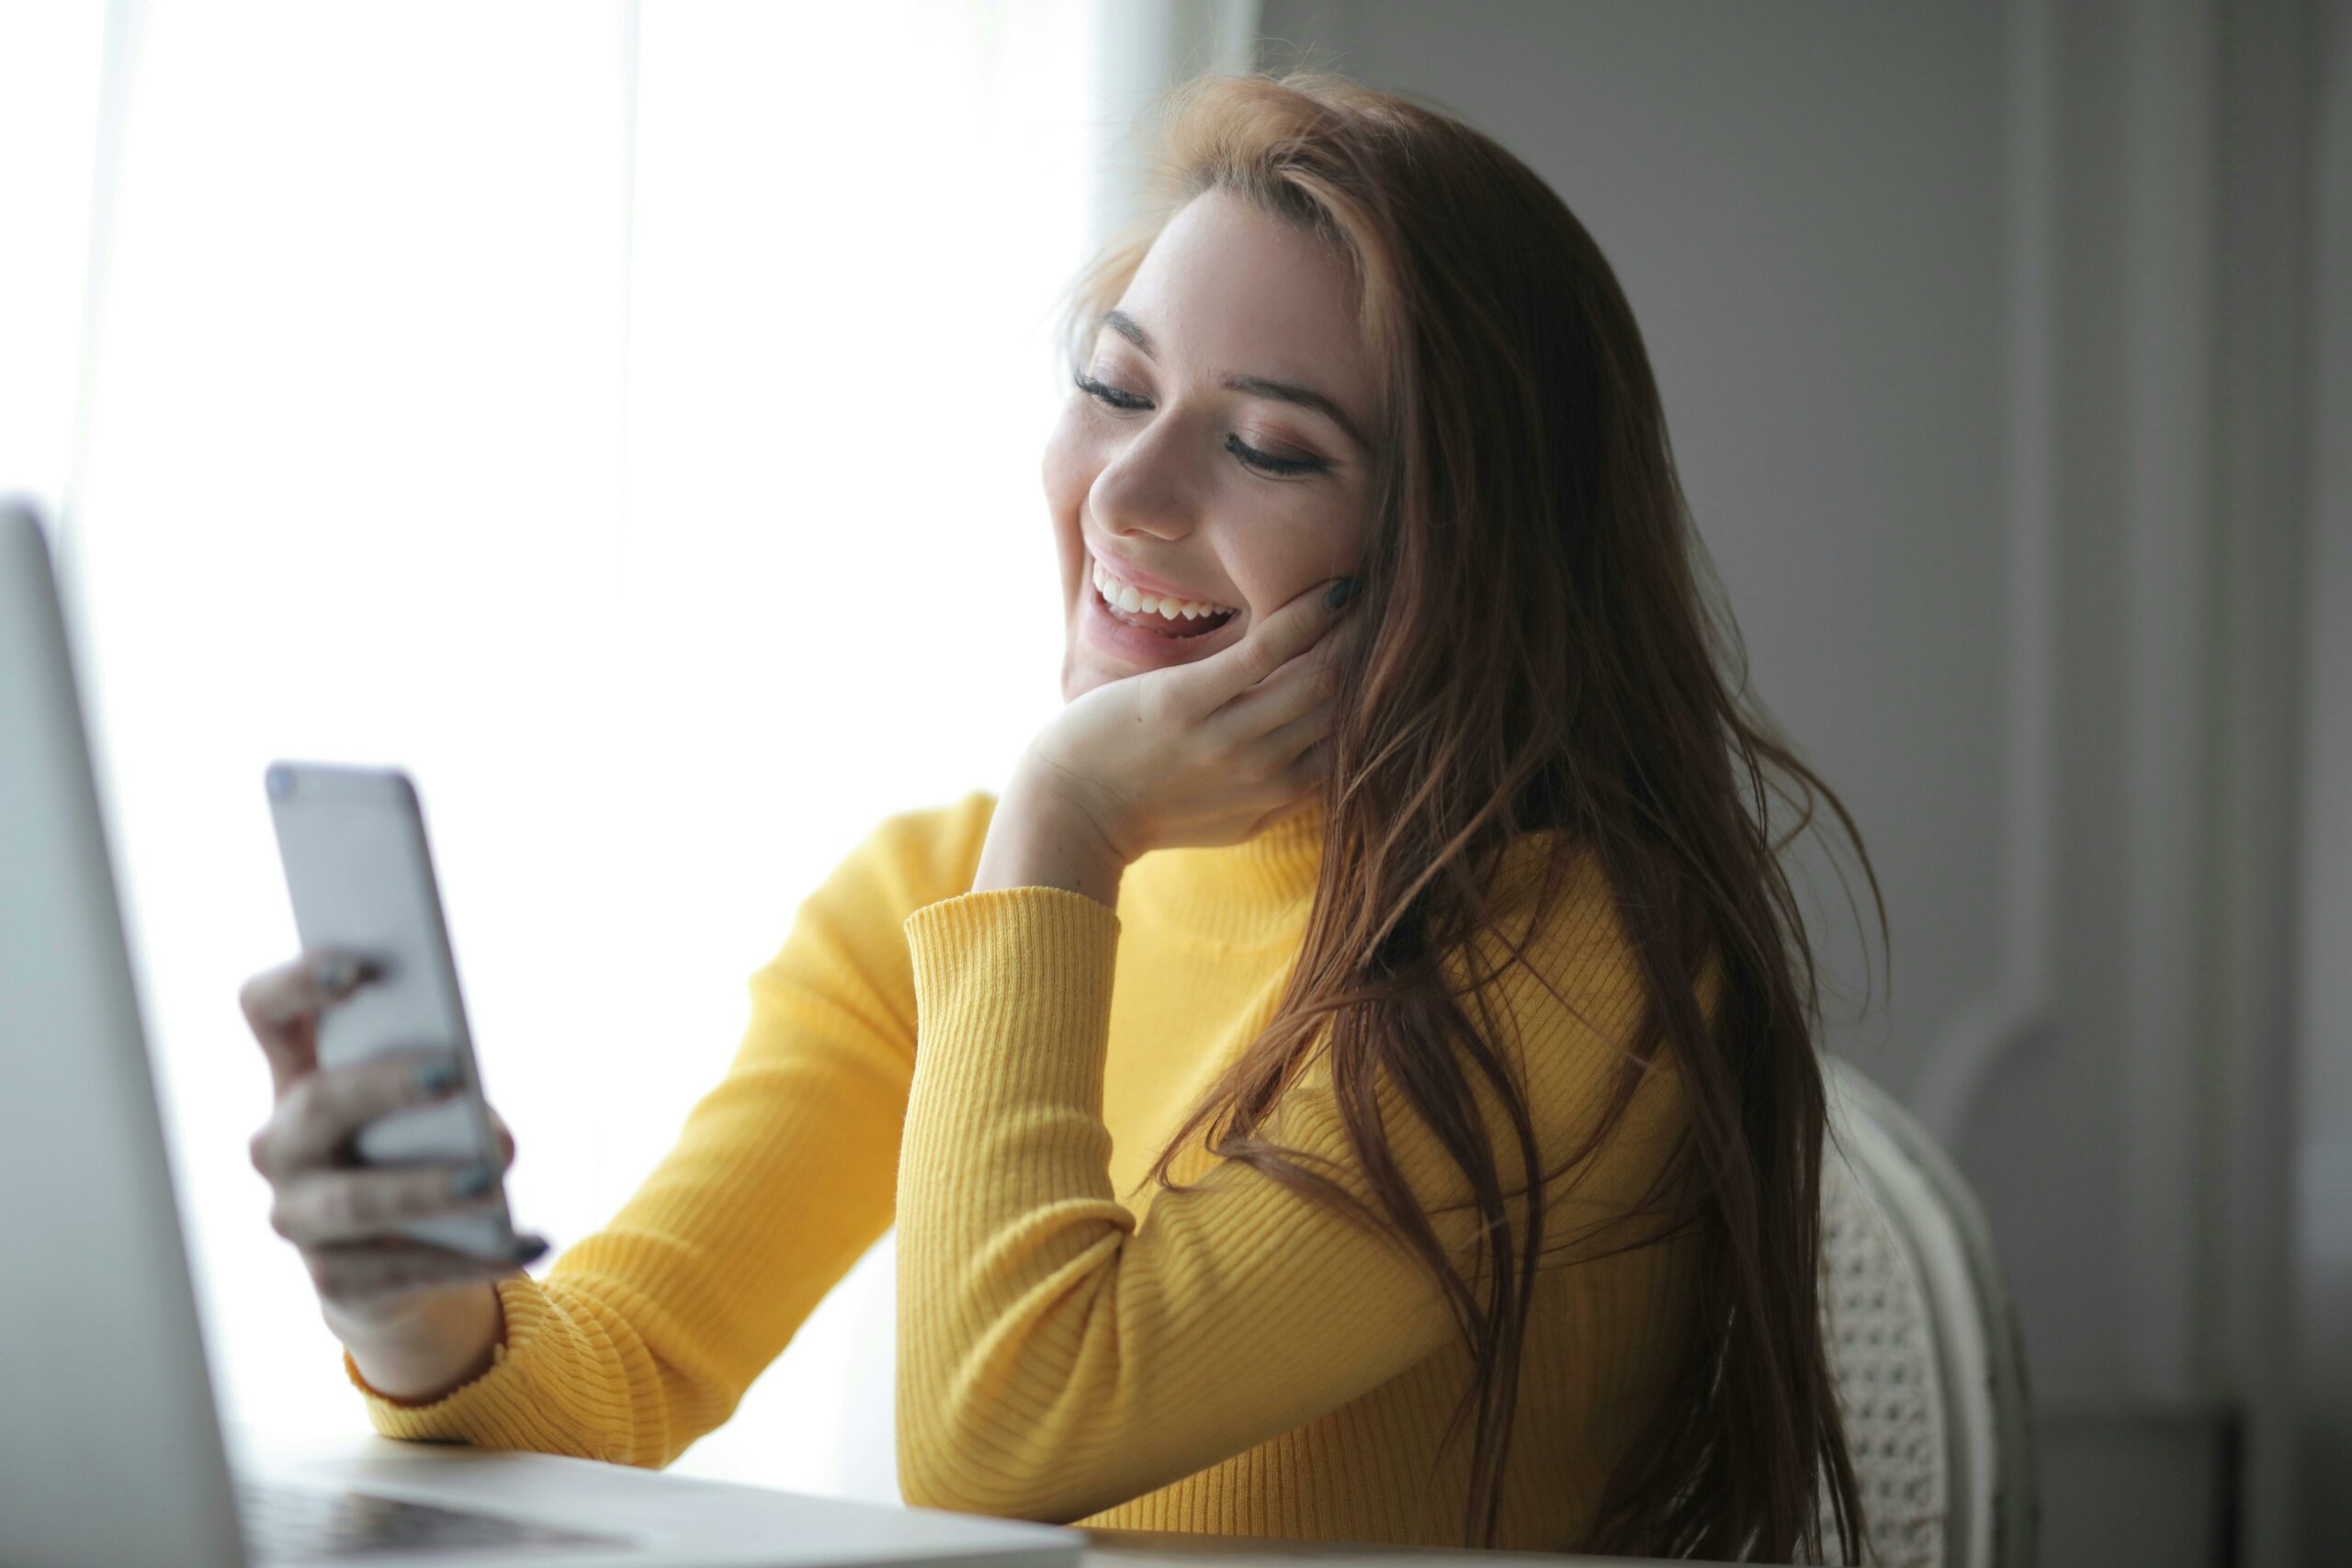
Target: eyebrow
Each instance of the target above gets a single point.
(1128, 327)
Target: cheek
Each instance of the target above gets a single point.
(1067, 470)
(1281, 556)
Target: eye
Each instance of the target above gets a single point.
(1268, 462)
(1265, 462)
(1102, 393)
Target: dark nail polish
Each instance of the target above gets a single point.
(529, 1249)
(334, 973)
(1341, 591)
(438, 1076)
(473, 1181)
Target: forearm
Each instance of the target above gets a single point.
(444, 1342)
(1057, 1351)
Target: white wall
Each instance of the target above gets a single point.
(2323, 1238)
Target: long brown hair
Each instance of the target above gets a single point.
(1538, 657)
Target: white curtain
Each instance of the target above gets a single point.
(625, 417)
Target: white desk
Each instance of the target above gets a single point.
(600, 1494)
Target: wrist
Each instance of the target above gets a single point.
(1041, 837)
(424, 1355)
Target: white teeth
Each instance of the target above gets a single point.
(1127, 596)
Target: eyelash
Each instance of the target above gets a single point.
(1109, 396)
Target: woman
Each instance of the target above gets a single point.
(1444, 1164)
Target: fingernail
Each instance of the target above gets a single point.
(1341, 591)
(473, 1181)
(436, 1077)
(530, 1247)
(334, 973)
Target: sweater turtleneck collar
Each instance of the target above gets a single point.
(1253, 893)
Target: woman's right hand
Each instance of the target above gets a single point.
(339, 1213)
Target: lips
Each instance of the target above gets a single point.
(1117, 635)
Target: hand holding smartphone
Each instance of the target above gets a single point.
(357, 867)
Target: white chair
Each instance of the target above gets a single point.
(1929, 1364)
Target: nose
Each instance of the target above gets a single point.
(1150, 485)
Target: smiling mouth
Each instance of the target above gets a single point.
(1171, 618)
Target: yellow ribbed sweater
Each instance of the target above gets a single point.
(1237, 1359)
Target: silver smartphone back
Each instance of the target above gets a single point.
(360, 874)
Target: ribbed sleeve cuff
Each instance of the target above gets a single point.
(506, 1406)
(1012, 996)
(1004, 1120)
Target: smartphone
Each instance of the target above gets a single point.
(360, 875)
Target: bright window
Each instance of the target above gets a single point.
(668, 503)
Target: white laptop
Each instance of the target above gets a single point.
(112, 1453)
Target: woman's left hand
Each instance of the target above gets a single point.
(1202, 753)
